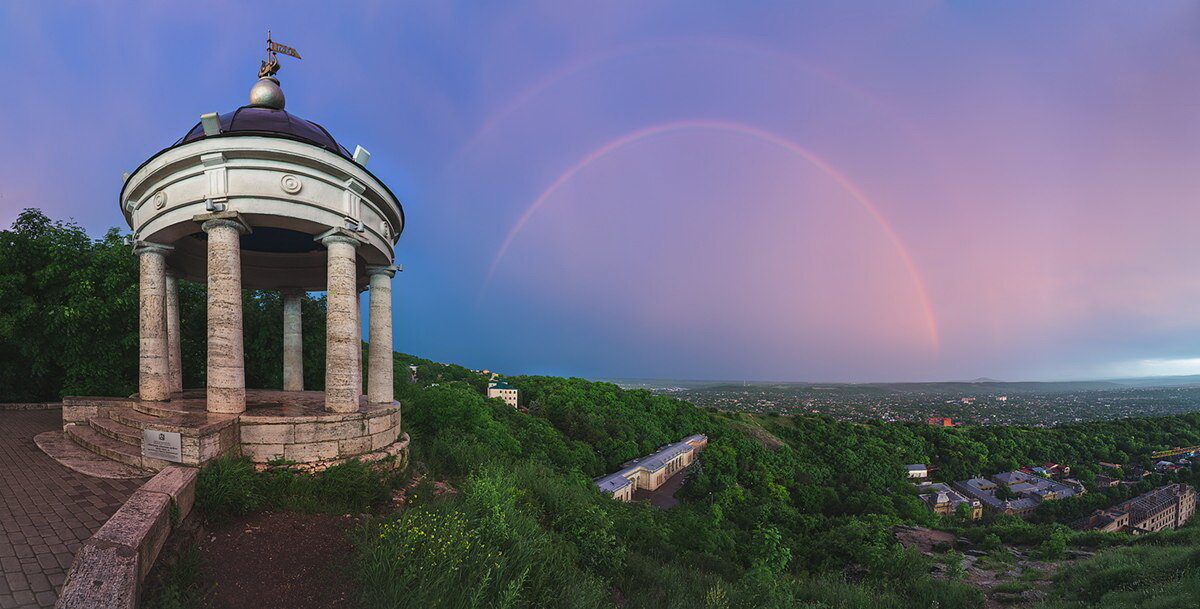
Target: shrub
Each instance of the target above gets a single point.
(227, 487)
(482, 550)
(230, 487)
(178, 585)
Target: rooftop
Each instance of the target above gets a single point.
(653, 462)
(268, 122)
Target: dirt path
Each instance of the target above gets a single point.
(280, 561)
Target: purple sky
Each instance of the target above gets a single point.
(760, 190)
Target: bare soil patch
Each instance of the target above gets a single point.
(279, 560)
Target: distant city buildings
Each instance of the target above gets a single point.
(652, 471)
(940, 421)
(1028, 490)
(941, 499)
(500, 389)
(1166, 507)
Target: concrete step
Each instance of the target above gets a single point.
(187, 423)
(113, 449)
(72, 455)
(137, 419)
(117, 431)
(159, 409)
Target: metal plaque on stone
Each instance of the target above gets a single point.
(165, 445)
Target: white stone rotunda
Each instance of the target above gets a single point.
(260, 199)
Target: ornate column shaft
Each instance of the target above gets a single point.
(379, 356)
(293, 341)
(174, 348)
(342, 385)
(154, 370)
(226, 355)
(358, 368)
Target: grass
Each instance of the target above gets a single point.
(481, 548)
(229, 487)
(1144, 576)
(1012, 586)
(179, 585)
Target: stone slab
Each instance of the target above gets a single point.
(311, 451)
(141, 525)
(178, 483)
(267, 434)
(102, 576)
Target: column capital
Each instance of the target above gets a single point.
(146, 247)
(389, 270)
(293, 291)
(338, 235)
(222, 218)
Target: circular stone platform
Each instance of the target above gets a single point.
(294, 426)
(277, 427)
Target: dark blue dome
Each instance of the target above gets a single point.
(269, 122)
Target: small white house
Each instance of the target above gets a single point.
(917, 470)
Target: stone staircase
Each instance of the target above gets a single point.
(116, 433)
(113, 430)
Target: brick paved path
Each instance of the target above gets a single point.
(46, 511)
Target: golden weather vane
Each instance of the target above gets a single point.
(271, 65)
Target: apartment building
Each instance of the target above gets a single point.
(651, 471)
(1165, 507)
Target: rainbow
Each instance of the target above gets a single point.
(735, 127)
(589, 62)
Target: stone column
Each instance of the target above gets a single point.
(379, 356)
(293, 343)
(154, 370)
(358, 368)
(174, 348)
(226, 355)
(342, 386)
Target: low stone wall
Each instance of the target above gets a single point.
(77, 410)
(31, 406)
(320, 437)
(108, 570)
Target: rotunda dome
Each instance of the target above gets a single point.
(287, 180)
(269, 122)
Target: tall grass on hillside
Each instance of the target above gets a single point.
(480, 549)
(1146, 576)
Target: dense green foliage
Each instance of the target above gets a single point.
(731, 545)
(780, 508)
(228, 487)
(68, 318)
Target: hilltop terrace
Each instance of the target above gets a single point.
(652, 471)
